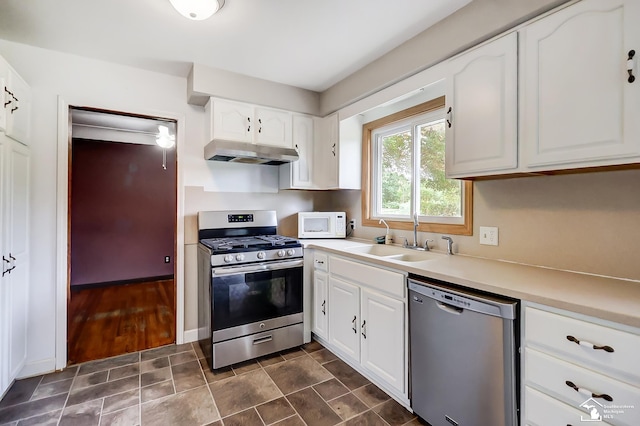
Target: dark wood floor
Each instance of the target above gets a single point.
(113, 320)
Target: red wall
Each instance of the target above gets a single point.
(123, 212)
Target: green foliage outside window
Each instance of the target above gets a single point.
(438, 196)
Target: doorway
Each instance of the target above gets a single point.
(121, 233)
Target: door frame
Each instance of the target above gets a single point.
(62, 214)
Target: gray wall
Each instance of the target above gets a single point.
(479, 20)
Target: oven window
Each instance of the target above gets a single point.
(257, 296)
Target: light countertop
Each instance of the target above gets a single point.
(607, 298)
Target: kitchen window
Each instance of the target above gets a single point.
(403, 161)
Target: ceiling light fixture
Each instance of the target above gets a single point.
(197, 9)
(164, 139)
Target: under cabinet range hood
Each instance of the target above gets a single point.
(248, 153)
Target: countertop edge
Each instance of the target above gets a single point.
(606, 298)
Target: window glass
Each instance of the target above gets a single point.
(404, 173)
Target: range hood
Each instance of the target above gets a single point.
(248, 153)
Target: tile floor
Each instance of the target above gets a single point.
(172, 385)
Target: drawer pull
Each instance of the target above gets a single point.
(354, 325)
(324, 304)
(320, 262)
(589, 344)
(588, 392)
(364, 330)
(264, 339)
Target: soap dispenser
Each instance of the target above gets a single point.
(388, 239)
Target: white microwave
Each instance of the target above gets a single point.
(322, 225)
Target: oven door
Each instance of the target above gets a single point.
(252, 298)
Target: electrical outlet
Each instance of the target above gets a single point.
(352, 222)
(167, 259)
(489, 235)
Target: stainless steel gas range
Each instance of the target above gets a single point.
(250, 287)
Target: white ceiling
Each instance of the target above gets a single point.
(311, 44)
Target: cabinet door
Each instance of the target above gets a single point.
(320, 304)
(326, 152)
(578, 109)
(482, 104)
(302, 170)
(382, 338)
(273, 127)
(18, 120)
(231, 121)
(15, 284)
(344, 326)
(4, 79)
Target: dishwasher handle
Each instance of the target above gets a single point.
(448, 308)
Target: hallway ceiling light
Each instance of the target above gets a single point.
(164, 139)
(197, 9)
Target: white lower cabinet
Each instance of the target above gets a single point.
(578, 369)
(382, 343)
(344, 299)
(544, 410)
(364, 319)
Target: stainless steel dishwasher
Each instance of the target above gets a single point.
(463, 356)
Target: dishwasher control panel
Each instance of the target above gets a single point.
(458, 300)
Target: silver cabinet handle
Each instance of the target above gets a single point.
(449, 117)
(260, 128)
(353, 321)
(587, 392)
(333, 149)
(324, 304)
(631, 64)
(249, 124)
(364, 330)
(590, 345)
(320, 262)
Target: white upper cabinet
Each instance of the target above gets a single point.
(230, 120)
(326, 151)
(15, 104)
(240, 122)
(337, 152)
(299, 174)
(482, 104)
(273, 127)
(578, 108)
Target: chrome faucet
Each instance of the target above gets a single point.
(449, 244)
(415, 245)
(426, 245)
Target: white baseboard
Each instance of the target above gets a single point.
(36, 368)
(190, 335)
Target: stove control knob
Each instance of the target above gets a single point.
(261, 255)
(240, 257)
(290, 252)
(228, 258)
(281, 253)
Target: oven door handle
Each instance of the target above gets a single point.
(270, 266)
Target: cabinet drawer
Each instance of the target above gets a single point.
(550, 374)
(378, 278)
(542, 410)
(320, 261)
(550, 331)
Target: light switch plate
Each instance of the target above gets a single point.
(489, 235)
